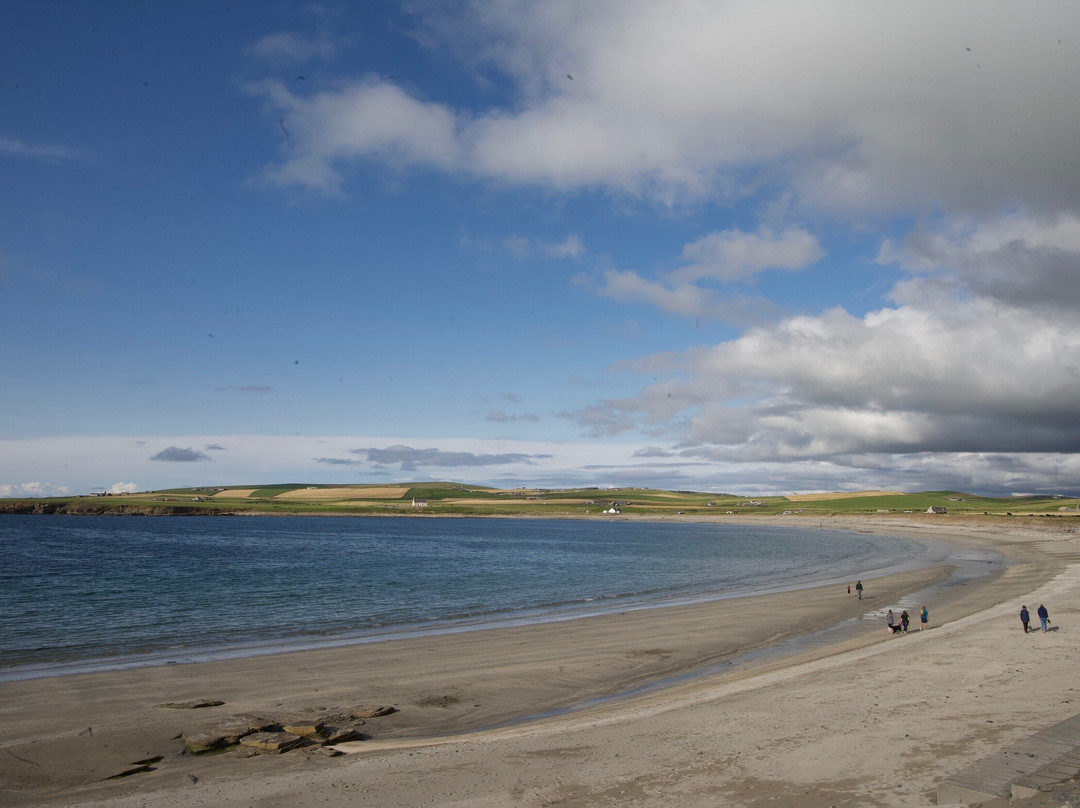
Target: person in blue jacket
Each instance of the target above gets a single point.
(1025, 618)
(1044, 616)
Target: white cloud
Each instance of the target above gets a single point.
(34, 489)
(685, 299)
(570, 247)
(991, 474)
(978, 377)
(525, 247)
(723, 257)
(123, 488)
(734, 255)
(292, 47)
(83, 461)
(370, 118)
(20, 150)
(852, 107)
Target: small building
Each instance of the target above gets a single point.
(419, 502)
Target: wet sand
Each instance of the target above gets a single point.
(539, 714)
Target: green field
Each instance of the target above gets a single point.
(457, 499)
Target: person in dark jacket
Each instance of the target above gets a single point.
(1025, 618)
(1044, 616)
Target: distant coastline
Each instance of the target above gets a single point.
(437, 499)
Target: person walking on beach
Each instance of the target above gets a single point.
(924, 617)
(1025, 618)
(858, 588)
(890, 622)
(904, 620)
(1044, 616)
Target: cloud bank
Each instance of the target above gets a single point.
(960, 120)
(408, 458)
(686, 99)
(176, 454)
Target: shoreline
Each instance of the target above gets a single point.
(931, 554)
(464, 692)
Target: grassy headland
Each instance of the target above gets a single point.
(456, 499)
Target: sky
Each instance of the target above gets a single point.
(748, 247)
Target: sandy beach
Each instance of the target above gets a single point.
(638, 708)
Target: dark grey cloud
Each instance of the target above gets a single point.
(635, 467)
(176, 454)
(215, 447)
(1021, 259)
(500, 417)
(409, 458)
(653, 451)
(339, 461)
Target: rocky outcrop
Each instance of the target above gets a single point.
(228, 732)
(274, 735)
(304, 726)
(275, 742)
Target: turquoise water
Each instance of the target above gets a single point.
(83, 593)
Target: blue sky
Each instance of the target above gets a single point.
(749, 247)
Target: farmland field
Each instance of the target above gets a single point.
(841, 495)
(339, 494)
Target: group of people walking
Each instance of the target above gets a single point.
(900, 626)
(1025, 617)
(896, 625)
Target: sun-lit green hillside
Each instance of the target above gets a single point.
(458, 499)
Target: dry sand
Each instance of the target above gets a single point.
(872, 720)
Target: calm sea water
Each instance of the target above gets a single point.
(83, 593)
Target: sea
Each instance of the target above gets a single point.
(90, 593)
